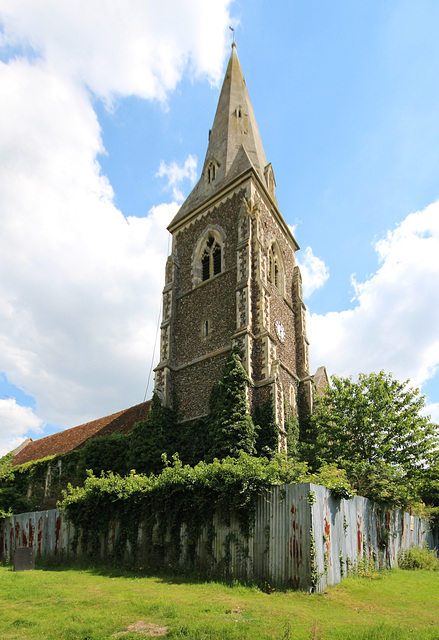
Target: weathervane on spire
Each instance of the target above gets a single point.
(233, 31)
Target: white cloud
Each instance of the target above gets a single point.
(176, 175)
(15, 422)
(314, 272)
(122, 47)
(395, 323)
(80, 284)
(432, 410)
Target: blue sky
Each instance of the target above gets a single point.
(104, 123)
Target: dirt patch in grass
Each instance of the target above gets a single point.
(142, 628)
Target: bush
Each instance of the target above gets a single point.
(418, 558)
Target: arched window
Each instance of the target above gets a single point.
(211, 259)
(208, 256)
(211, 172)
(275, 267)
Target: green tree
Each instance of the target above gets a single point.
(429, 489)
(376, 419)
(231, 427)
(374, 429)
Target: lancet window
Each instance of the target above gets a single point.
(211, 259)
(208, 255)
(275, 267)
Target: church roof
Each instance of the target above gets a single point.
(234, 142)
(76, 438)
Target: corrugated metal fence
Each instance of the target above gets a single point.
(303, 537)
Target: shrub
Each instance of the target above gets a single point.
(418, 558)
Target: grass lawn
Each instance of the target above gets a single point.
(74, 604)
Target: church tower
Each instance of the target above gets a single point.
(231, 278)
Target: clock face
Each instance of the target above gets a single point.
(280, 330)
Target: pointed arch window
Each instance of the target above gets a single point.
(211, 171)
(210, 259)
(275, 267)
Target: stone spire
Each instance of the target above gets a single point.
(234, 143)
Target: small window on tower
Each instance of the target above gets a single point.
(205, 328)
(211, 172)
(275, 270)
(270, 264)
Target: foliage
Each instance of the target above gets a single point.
(418, 558)
(23, 486)
(267, 429)
(364, 438)
(335, 479)
(376, 419)
(292, 432)
(106, 453)
(383, 483)
(152, 437)
(5, 466)
(307, 432)
(230, 424)
(193, 440)
(375, 430)
(428, 487)
(180, 495)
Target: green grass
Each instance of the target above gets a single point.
(72, 604)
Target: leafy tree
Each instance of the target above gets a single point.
(429, 489)
(231, 426)
(375, 430)
(376, 419)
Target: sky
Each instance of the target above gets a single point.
(105, 108)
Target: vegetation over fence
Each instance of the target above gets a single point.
(180, 495)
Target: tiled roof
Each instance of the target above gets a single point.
(75, 438)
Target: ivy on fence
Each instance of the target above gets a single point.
(179, 496)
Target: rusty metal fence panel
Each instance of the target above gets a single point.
(349, 533)
(303, 537)
(47, 532)
(282, 536)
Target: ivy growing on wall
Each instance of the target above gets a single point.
(230, 424)
(152, 437)
(267, 429)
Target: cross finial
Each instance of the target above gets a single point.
(233, 31)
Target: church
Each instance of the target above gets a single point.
(232, 278)
(231, 281)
